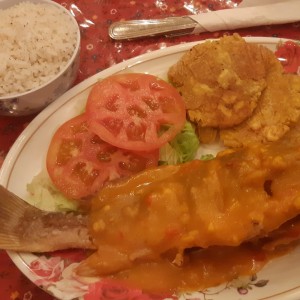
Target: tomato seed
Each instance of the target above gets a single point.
(104, 156)
(96, 140)
(112, 103)
(136, 111)
(155, 85)
(134, 165)
(152, 103)
(132, 85)
(79, 128)
(113, 125)
(86, 176)
(136, 132)
(68, 149)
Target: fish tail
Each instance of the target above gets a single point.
(12, 211)
(24, 227)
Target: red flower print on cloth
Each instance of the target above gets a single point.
(289, 55)
(107, 289)
(48, 269)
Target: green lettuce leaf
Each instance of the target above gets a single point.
(207, 157)
(44, 195)
(182, 148)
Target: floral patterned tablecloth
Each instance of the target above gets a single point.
(100, 52)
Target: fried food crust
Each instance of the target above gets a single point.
(222, 81)
(277, 112)
(241, 195)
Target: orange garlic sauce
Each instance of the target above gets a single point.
(204, 269)
(216, 265)
(253, 194)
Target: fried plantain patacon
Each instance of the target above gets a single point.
(222, 81)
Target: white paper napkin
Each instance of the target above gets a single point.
(249, 13)
(248, 3)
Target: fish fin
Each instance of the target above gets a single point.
(84, 269)
(24, 227)
(107, 260)
(12, 211)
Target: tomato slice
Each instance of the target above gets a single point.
(135, 111)
(79, 162)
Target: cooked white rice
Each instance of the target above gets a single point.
(37, 41)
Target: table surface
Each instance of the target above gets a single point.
(100, 52)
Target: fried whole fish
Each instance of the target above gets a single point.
(240, 196)
(161, 212)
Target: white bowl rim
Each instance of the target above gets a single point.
(71, 60)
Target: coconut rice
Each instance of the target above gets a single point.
(37, 41)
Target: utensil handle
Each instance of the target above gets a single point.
(172, 26)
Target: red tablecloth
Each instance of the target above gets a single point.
(100, 52)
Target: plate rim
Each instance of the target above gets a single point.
(34, 125)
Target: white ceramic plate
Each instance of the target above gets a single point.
(278, 280)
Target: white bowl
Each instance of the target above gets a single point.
(36, 99)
